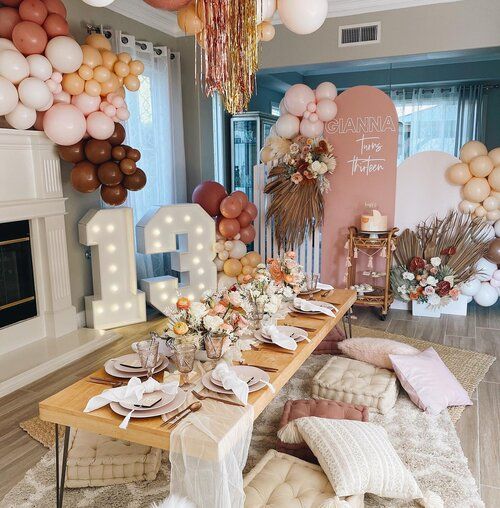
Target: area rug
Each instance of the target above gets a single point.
(429, 446)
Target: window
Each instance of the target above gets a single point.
(275, 108)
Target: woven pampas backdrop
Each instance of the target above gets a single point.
(295, 210)
(230, 50)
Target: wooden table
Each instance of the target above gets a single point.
(66, 407)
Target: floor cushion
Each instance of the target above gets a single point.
(330, 344)
(290, 440)
(96, 461)
(282, 481)
(355, 382)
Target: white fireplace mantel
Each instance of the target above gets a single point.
(31, 189)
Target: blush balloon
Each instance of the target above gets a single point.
(114, 195)
(86, 103)
(55, 25)
(229, 228)
(38, 126)
(297, 98)
(136, 181)
(209, 196)
(29, 38)
(326, 110)
(84, 177)
(230, 207)
(247, 235)
(73, 153)
(251, 209)
(100, 126)
(9, 18)
(64, 124)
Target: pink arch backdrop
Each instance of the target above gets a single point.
(364, 135)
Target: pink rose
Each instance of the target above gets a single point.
(429, 290)
(220, 309)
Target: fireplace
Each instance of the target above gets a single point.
(17, 283)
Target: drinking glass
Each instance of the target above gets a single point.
(148, 355)
(214, 344)
(312, 281)
(184, 360)
(257, 315)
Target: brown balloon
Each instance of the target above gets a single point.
(118, 153)
(135, 181)
(29, 38)
(98, 151)
(118, 136)
(55, 25)
(128, 166)
(73, 153)
(114, 195)
(9, 18)
(84, 177)
(134, 154)
(493, 253)
(109, 173)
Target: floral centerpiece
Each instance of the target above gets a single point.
(286, 271)
(296, 185)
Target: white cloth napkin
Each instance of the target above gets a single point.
(279, 338)
(306, 305)
(230, 381)
(132, 393)
(324, 287)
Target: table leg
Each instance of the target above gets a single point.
(61, 468)
(349, 320)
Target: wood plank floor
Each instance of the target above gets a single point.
(478, 427)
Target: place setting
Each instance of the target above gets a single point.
(280, 338)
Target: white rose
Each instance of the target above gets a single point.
(431, 281)
(197, 310)
(234, 298)
(212, 323)
(435, 261)
(316, 167)
(450, 279)
(323, 168)
(408, 276)
(434, 299)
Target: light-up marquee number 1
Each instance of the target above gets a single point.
(188, 233)
(116, 300)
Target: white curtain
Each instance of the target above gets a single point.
(155, 127)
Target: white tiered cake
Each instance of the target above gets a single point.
(375, 222)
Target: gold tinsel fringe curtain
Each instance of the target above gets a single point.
(230, 54)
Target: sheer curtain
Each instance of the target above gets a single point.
(155, 127)
(439, 118)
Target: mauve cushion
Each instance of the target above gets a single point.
(375, 351)
(322, 408)
(428, 381)
(330, 344)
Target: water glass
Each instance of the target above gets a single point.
(312, 281)
(148, 355)
(257, 315)
(183, 357)
(214, 344)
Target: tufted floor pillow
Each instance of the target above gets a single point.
(290, 440)
(96, 461)
(355, 382)
(282, 481)
(330, 344)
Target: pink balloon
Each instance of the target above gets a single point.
(64, 124)
(287, 126)
(297, 98)
(100, 126)
(307, 115)
(123, 114)
(86, 103)
(311, 107)
(326, 90)
(58, 88)
(313, 117)
(57, 77)
(310, 129)
(109, 110)
(103, 105)
(327, 110)
(52, 85)
(117, 101)
(62, 97)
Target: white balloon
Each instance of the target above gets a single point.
(485, 269)
(468, 299)
(21, 117)
(219, 264)
(98, 3)
(238, 251)
(487, 295)
(471, 287)
(48, 105)
(40, 67)
(228, 245)
(288, 126)
(265, 10)
(224, 255)
(34, 93)
(64, 53)
(497, 228)
(493, 215)
(13, 66)
(7, 44)
(8, 96)
(467, 206)
(225, 282)
(303, 17)
(326, 90)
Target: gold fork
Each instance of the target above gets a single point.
(199, 396)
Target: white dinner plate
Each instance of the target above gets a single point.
(166, 398)
(297, 334)
(310, 292)
(110, 368)
(179, 399)
(326, 305)
(243, 372)
(207, 383)
(133, 358)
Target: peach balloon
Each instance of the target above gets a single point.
(467, 206)
(266, 154)
(254, 258)
(93, 88)
(85, 72)
(494, 179)
(108, 86)
(132, 83)
(91, 56)
(121, 69)
(108, 59)
(481, 165)
(124, 57)
(98, 41)
(188, 20)
(120, 92)
(493, 215)
(491, 203)
(476, 189)
(266, 31)
(136, 67)
(494, 155)
(458, 174)
(232, 267)
(102, 74)
(472, 149)
(73, 84)
(480, 212)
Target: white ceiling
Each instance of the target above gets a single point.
(167, 21)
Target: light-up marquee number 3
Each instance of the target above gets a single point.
(188, 233)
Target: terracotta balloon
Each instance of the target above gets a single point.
(229, 228)
(114, 195)
(230, 207)
(252, 210)
(55, 25)
(33, 10)
(245, 219)
(118, 136)
(241, 196)
(494, 179)
(472, 149)
(493, 253)
(84, 177)
(29, 38)
(109, 173)
(476, 189)
(209, 196)
(481, 166)
(98, 41)
(9, 18)
(136, 181)
(98, 151)
(247, 235)
(118, 153)
(233, 267)
(133, 154)
(72, 153)
(128, 166)
(55, 7)
(168, 5)
(459, 174)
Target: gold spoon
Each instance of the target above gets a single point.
(193, 407)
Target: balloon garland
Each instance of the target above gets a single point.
(234, 215)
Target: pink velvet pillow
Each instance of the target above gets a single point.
(375, 351)
(428, 382)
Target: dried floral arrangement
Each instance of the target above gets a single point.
(435, 258)
(296, 185)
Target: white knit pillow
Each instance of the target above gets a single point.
(357, 457)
